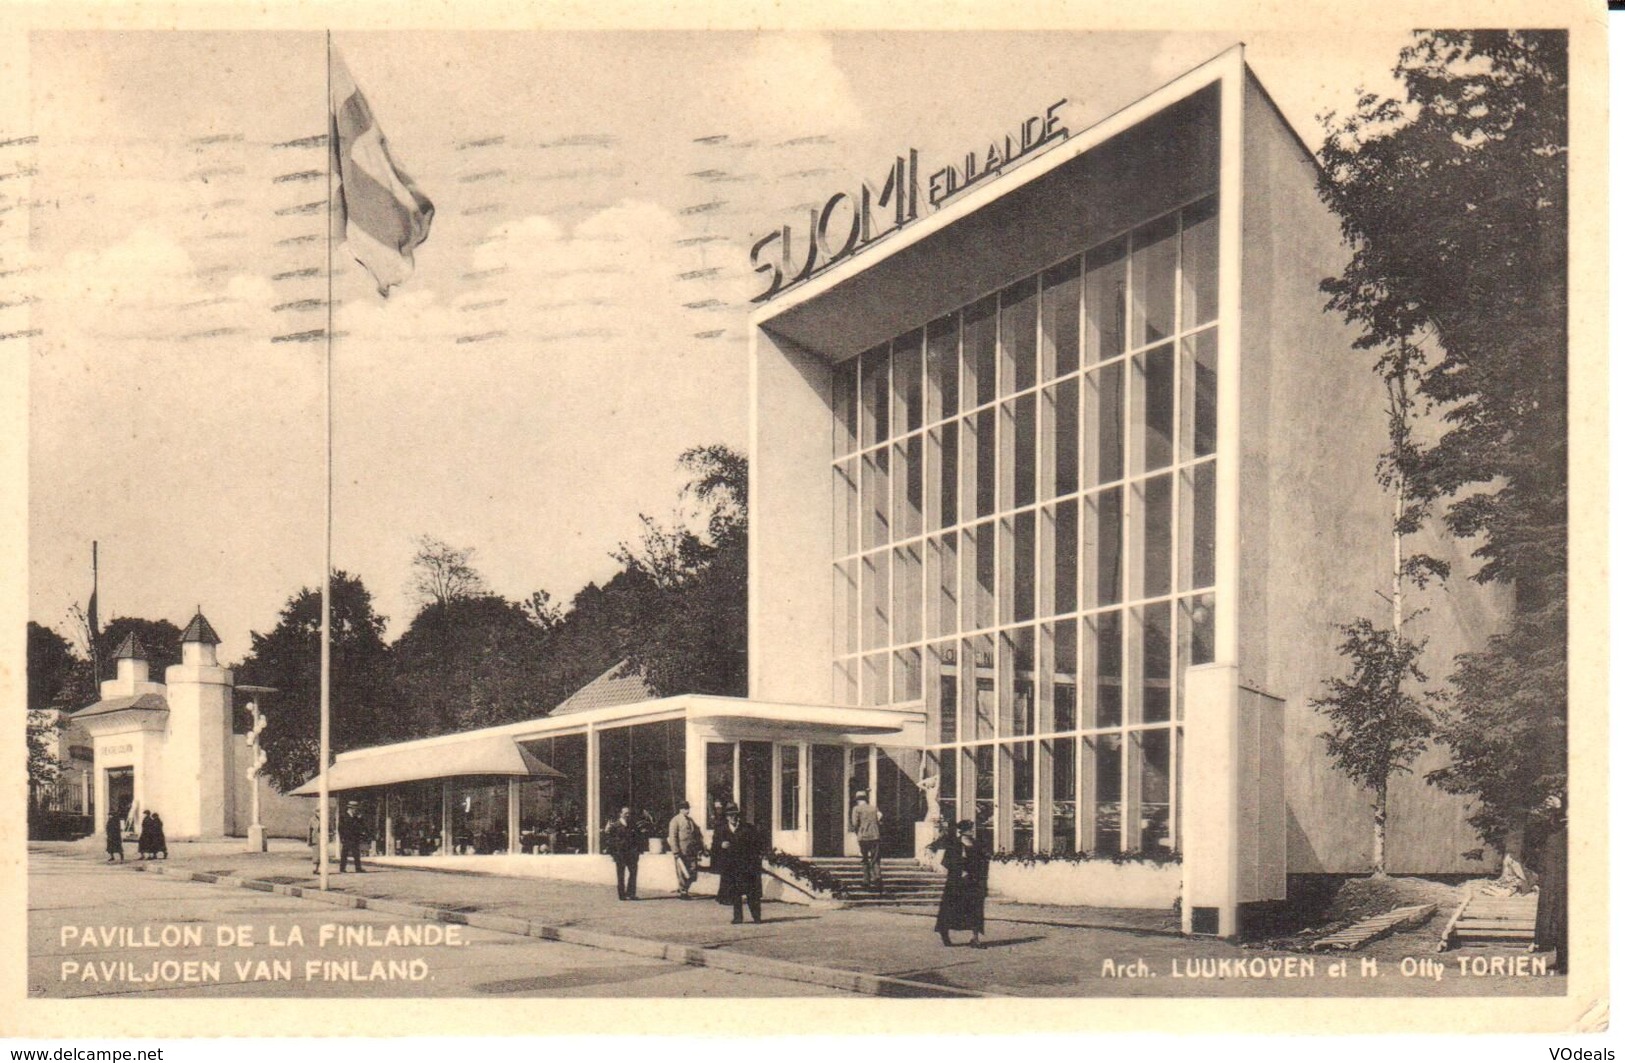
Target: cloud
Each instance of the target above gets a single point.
(792, 87)
(146, 286)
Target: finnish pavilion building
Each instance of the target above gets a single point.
(1057, 491)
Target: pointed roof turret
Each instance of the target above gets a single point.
(130, 649)
(200, 631)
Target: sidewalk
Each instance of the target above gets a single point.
(1033, 950)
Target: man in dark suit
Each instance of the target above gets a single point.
(352, 832)
(736, 851)
(623, 842)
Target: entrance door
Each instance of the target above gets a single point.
(897, 795)
(121, 792)
(828, 792)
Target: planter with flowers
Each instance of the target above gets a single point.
(1100, 880)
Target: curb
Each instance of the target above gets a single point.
(875, 985)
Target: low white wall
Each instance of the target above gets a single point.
(656, 872)
(1097, 883)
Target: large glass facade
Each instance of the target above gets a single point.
(641, 767)
(1024, 536)
(553, 809)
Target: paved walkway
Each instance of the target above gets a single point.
(1032, 949)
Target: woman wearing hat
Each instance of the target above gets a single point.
(966, 889)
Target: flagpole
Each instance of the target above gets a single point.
(91, 621)
(327, 494)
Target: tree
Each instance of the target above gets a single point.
(694, 638)
(1454, 201)
(469, 662)
(159, 638)
(52, 663)
(442, 573)
(289, 659)
(1379, 727)
(43, 766)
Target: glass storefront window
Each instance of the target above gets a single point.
(1018, 336)
(1103, 408)
(1199, 262)
(981, 350)
(789, 787)
(907, 593)
(908, 480)
(415, 814)
(1105, 301)
(1019, 762)
(874, 369)
(1156, 255)
(947, 660)
(1108, 630)
(942, 367)
(1201, 394)
(944, 610)
(1059, 326)
(908, 388)
(844, 401)
(1154, 835)
(719, 780)
(1064, 558)
(1066, 676)
(1155, 655)
(1061, 438)
(906, 676)
(479, 817)
(1108, 793)
(948, 475)
(1064, 800)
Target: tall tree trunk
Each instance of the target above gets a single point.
(1379, 833)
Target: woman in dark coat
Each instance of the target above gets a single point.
(160, 844)
(144, 841)
(115, 837)
(966, 889)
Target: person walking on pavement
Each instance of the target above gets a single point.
(687, 843)
(736, 854)
(352, 832)
(115, 837)
(965, 892)
(143, 841)
(622, 841)
(313, 837)
(160, 844)
(866, 825)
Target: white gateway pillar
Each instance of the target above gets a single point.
(199, 790)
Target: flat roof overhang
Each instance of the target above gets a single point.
(739, 715)
(499, 751)
(482, 755)
(1081, 191)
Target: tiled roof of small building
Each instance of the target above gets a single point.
(200, 631)
(620, 685)
(143, 702)
(130, 649)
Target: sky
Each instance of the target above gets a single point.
(576, 320)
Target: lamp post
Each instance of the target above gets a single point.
(256, 830)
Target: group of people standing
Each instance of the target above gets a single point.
(736, 851)
(352, 831)
(150, 843)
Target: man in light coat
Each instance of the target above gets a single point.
(866, 825)
(687, 843)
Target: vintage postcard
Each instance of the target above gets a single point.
(1036, 523)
